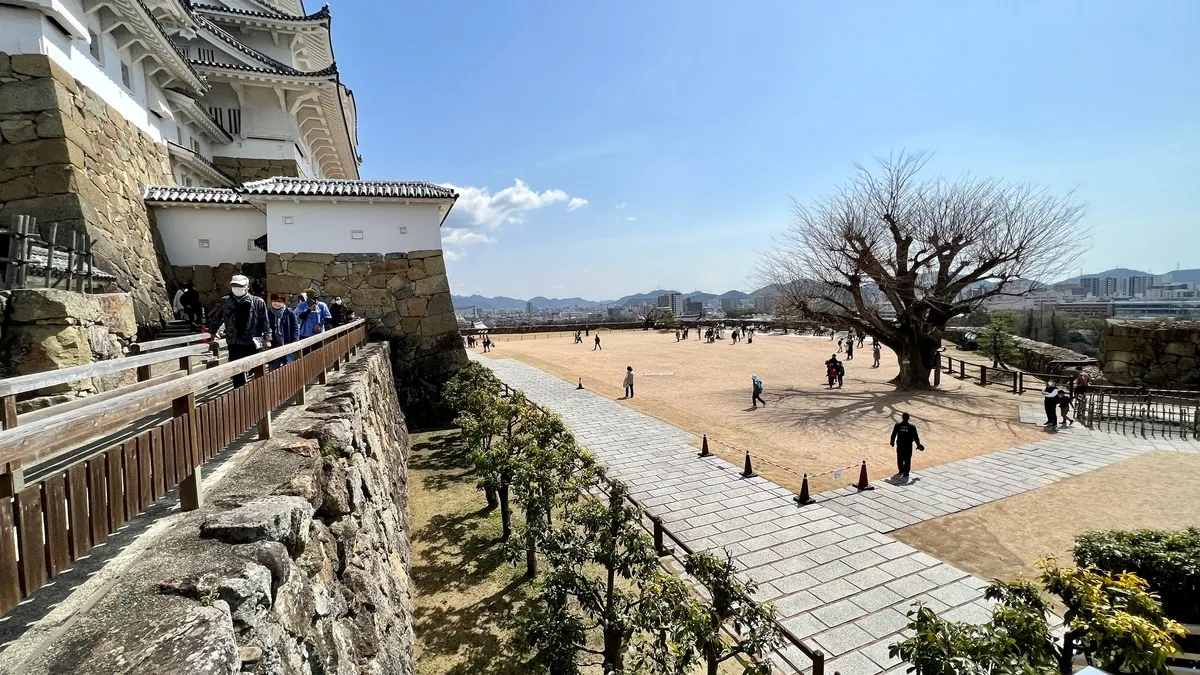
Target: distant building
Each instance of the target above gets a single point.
(529, 307)
(735, 303)
(692, 308)
(664, 300)
(673, 302)
(764, 303)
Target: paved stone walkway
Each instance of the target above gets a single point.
(839, 582)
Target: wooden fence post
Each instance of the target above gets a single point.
(9, 404)
(264, 424)
(983, 376)
(50, 251)
(190, 495)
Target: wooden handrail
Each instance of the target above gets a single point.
(156, 345)
(25, 383)
(44, 439)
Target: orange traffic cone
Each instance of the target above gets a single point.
(803, 499)
(704, 448)
(580, 384)
(863, 483)
(748, 472)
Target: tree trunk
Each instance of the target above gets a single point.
(917, 357)
(531, 565)
(710, 656)
(505, 514)
(492, 500)
(614, 649)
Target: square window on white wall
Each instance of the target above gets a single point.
(356, 234)
(94, 46)
(288, 220)
(125, 78)
(203, 243)
(249, 244)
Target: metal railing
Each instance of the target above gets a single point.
(1146, 412)
(27, 242)
(94, 467)
(660, 534)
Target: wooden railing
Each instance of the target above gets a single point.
(187, 358)
(24, 239)
(659, 531)
(94, 467)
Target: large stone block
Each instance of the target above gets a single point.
(390, 267)
(33, 65)
(40, 152)
(34, 95)
(39, 348)
(416, 273)
(435, 264)
(306, 268)
(441, 304)
(18, 131)
(370, 297)
(283, 283)
(432, 285)
(323, 258)
(21, 187)
(417, 307)
(423, 254)
(274, 263)
(439, 324)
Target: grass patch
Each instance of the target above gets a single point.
(465, 592)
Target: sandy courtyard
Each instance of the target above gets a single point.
(1001, 540)
(805, 427)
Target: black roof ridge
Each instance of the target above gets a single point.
(319, 15)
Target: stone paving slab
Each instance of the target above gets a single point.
(839, 582)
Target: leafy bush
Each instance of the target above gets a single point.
(1169, 561)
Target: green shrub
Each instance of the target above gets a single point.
(1169, 561)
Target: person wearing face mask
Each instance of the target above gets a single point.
(285, 327)
(337, 312)
(312, 314)
(244, 323)
(1050, 400)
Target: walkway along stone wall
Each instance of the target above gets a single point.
(406, 299)
(1157, 355)
(297, 564)
(68, 157)
(212, 281)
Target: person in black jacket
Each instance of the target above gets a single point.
(904, 434)
(337, 312)
(244, 323)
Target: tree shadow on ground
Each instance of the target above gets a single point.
(469, 633)
(458, 552)
(845, 407)
(445, 454)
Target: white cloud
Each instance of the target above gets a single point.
(621, 205)
(479, 208)
(631, 218)
(462, 237)
(450, 254)
(576, 203)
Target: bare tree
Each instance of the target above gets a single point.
(897, 256)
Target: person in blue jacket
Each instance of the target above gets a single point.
(312, 314)
(285, 327)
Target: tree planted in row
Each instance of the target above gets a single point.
(498, 461)
(474, 392)
(755, 630)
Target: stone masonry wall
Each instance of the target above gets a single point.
(48, 329)
(405, 298)
(297, 564)
(68, 157)
(1156, 355)
(244, 169)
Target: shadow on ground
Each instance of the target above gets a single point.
(466, 591)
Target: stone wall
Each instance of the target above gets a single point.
(68, 157)
(245, 169)
(406, 299)
(298, 563)
(1033, 356)
(48, 329)
(1151, 354)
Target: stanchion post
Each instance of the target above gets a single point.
(264, 424)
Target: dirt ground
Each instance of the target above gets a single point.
(805, 427)
(1001, 540)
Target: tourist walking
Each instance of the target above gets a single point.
(487, 343)
(285, 327)
(192, 306)
(841, 373)
(337, 312)
(1050, 402)
(597, 344)
(756, 386)
(1081, 384)
(244, 323)
(312, 314)
(628, 381)
(839, 345)
(177, 304)
(875, 354)
(1064, 408)
(904, 434)
(850, 350)
(831, 370)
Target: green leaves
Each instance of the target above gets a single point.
(1168, 560)
(1110, 618)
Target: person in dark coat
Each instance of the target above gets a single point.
(1050, 402)
(337, 312)
(904, 435)
(285, 327)
(192, 307)
(244, 323)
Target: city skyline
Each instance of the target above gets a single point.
(588, 169)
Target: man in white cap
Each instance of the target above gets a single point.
(244, 323)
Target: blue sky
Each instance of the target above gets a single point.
(689, 126)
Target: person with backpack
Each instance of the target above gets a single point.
(831, 370)
(756, 386)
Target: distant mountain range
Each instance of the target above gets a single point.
(480, 302)
(1178, 276)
